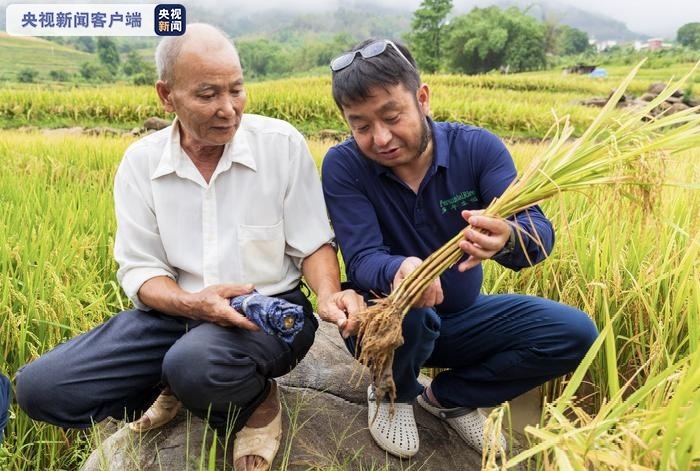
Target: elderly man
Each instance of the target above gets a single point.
(216, 205)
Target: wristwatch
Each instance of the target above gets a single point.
(509, 247)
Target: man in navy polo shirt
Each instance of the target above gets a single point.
(397, 190)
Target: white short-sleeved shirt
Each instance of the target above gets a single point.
(260, 214)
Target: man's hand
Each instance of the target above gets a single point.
(483, 239)
(341, 309)
(432, 296)
(212, 305)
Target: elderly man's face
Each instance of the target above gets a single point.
(207, 94)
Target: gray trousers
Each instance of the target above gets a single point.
(118, 369)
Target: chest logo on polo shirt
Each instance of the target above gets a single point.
(458, 201)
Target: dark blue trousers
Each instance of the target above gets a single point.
(5, 398)
(118, 369)
(498, 348)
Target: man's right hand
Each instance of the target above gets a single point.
(341, 309)
(212, 305)
(432, 296)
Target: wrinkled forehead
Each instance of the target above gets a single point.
(215, 45)
(197, 62)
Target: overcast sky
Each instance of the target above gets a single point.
(652, 17)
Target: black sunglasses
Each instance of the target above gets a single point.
(371, 50)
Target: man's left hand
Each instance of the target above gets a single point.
(341, 308)
(483, 239)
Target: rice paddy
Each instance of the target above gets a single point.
(627, 256)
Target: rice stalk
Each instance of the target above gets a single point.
(609, 152)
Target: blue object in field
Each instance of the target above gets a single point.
(274, 316)
(5, 396)
(598, 73)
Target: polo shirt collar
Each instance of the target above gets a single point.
(440, 145)
(174, 160)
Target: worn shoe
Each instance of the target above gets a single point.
(468, 423)
(261, 441)
(160, 413)
(396, 434)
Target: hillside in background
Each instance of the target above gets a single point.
(17, 53)
(599, 27)
(358, 23)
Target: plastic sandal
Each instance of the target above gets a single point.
(468, 423)
(162, 411)
(396, 434)
(263, 442)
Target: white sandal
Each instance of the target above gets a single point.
(162, 411)
(397, 433)
(468, 423)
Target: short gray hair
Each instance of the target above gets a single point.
(169, 48)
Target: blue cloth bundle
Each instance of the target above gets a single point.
(274, 316)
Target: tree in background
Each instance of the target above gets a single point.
(108, 54)
(426, 36)
(525, 46)
(689, 35)
(488, 39)
(85, 44)
(132, 64)
(263, 58)
(569, 41)
(315, 52)
(27, 75)
(476, 41)
(140, 71)
(96, 72)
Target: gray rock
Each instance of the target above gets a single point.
(324, 423)
(156, 124)
(677, 108)
(658, 87)
(104, 131)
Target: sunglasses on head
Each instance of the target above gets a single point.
(371, 50)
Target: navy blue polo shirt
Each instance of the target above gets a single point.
(379, 220)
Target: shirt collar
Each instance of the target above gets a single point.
(174, 160)
(441, 155)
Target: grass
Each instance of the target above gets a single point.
(634, 268)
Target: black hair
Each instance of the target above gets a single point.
(353, 83)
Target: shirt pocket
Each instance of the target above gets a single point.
(262, 252)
